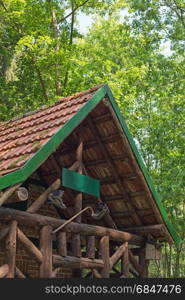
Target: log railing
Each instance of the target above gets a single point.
(97, 241)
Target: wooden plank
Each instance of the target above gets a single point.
(29, 246)
(104, 252)
(11, 249)
(9, 192)
(77, 263)
(151, 252)
(62, 243)
(4, 270)
(90, 246)
(46, 250)
(117, 255)
(8, 214)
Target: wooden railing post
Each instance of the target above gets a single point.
(46, 250)
(11, 249)
(125, 263)
(104, 252)
(62, 243)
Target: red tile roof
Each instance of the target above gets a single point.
(20, 138)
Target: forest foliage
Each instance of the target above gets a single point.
(43, 56)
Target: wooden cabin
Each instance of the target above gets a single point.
(76, 199)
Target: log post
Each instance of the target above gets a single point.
(125, 263)
(62, 243)
(144, 263)
(46, 250)
(117, 255)
(90, 241)
(11, 249)
(76, 240)
(104, 252)
(9, 192)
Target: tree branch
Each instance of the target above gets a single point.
(73, 11)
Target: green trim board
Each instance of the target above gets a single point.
(80, 182)
(43, 153)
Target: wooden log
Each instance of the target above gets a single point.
(90, 246)
(35, 206)
(145, 230)
(29, 246)
(7, 214)
(11, 249)
(76, 245)
(46, 250)
(62, 243)
(19, 273)
(96, 274)
(77, 263)
(4, 231)
(9, 192)
(104, 252)
(135, 264)
(117, 255)
(144, 263)
(4, 270)
(42, 198)
(125, 263)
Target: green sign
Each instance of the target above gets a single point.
(81, 183)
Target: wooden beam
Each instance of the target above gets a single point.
(46, 250)
(11, 249)
(104, 253)
(4, 270)
(118, 254)
(19, 273)
(8, 214)
(8, 192)
(42, 198)
(145, 230)
(29, 246)
(112, 166)
(77, 263)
